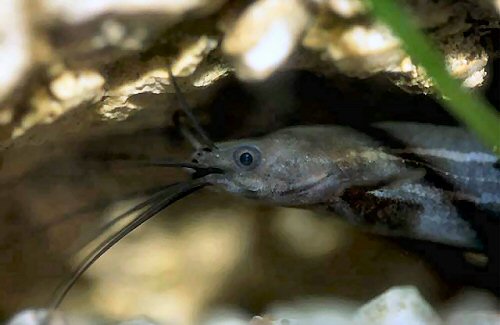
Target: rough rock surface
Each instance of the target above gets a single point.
(58, 56)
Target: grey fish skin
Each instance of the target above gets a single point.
(359, 178)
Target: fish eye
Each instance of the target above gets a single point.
(247, 157)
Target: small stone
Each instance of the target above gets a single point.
(79, 11)
(399, 305)
(472, 306)
(259, 320)
(36, 317)
(15, 57)
(347, 8)
(75, 86)
(264, 36)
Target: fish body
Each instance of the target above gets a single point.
(418, 181)
(430, 183)
(433, 184)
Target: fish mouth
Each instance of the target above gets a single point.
(203, 171)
